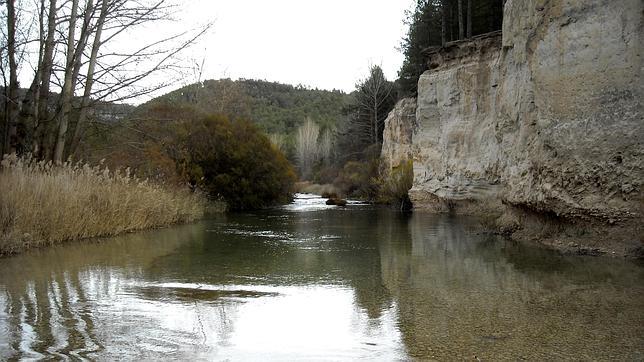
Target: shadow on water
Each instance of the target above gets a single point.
(360, 282)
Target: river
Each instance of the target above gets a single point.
(314, 282)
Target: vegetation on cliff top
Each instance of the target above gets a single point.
(436, 22)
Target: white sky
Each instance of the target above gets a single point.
(325, 44)
(318, 43)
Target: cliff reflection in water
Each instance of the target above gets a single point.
(461, 294)
(338, 284)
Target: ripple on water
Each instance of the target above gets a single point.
(190, 294)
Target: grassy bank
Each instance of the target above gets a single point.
(42, 205)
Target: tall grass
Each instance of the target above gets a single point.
(42, 204)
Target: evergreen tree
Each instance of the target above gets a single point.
(437, 22)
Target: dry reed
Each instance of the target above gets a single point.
(42, 204)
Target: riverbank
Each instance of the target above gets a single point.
(42, 205)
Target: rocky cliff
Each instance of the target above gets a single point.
(397, 134)
(539, 129)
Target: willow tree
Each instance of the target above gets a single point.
(325, 146)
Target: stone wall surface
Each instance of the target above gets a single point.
(540, 129)
(397, 135)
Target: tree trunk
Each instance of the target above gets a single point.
(461, 28)
(29, 113)
(47, 65)
(12, 95)
(68, 87)
(5, 123)
(82, 40)
(82, 114)
(375, 117)
(443, 22)
(5, 103)
(450, 25)
(469, 18)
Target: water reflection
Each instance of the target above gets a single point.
(316, 282)
(462, 295)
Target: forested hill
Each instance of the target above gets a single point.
(276, 108)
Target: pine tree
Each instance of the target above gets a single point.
(437, 22)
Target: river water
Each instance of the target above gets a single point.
(314, 282)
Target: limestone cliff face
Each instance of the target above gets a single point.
(397, 135)
(544, 120)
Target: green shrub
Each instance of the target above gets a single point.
(359, 179)
(236, 162)
(395, 184)
(231, 161)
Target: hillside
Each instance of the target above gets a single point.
(148, 139)
(276, 108)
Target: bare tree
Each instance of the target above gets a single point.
(68, 86)
(374, 97)
(326, 145)
(45, 69)
(306, 147)
(12, 108)
(106, 72)
(89, 81)
(29, 109)
(359, 135)
(114, 78)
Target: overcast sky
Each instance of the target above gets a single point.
(318, 43)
